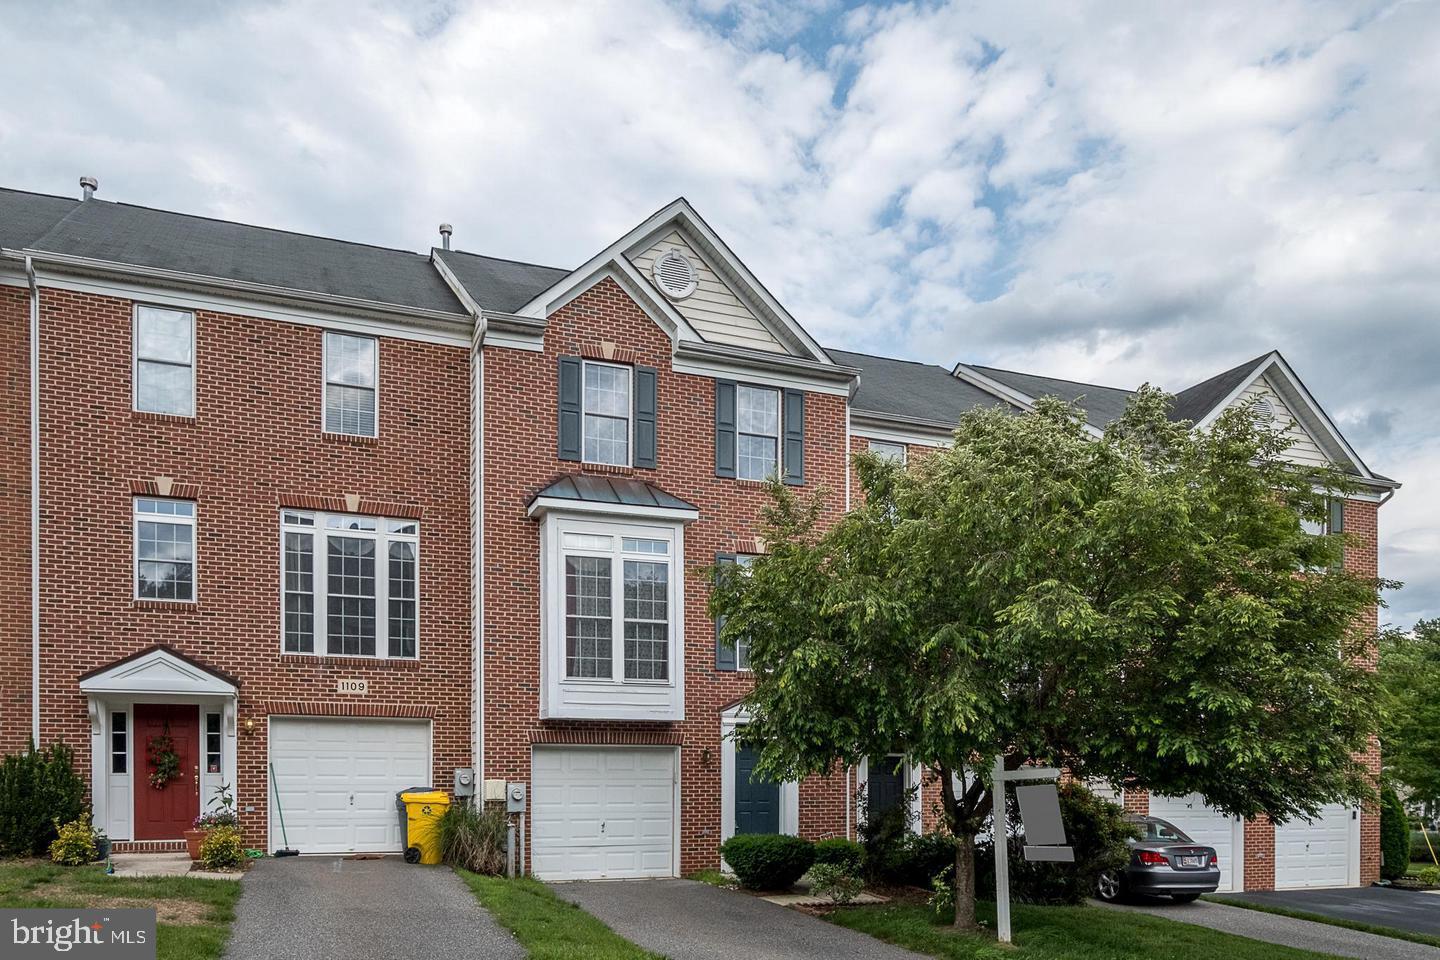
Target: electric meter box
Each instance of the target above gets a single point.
(515, 798)
(464, 782)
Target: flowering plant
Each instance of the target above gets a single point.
(223, 814)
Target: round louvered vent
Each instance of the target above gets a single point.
(675, 275)
(1263, 410)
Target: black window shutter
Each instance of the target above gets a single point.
(570, 387)
(1337, 516)
(724, 652)
(724, 428)
(645, 417)
(794, 425)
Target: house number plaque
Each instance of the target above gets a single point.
(352, 686)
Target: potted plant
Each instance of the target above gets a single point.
(223, 815)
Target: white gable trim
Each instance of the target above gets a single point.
(157, 672)
(680, 214)
(623, 272)
(1313, 417)
(1007, 393)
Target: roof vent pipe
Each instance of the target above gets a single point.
(88, 186)
(445, 231)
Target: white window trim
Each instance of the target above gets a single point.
(319, 565)
(614, 698)
(135, 358)
(779, 430)
(585, 365)
(904, 457)
(739, 566)
(730, 720)
(912, 777)
(325, 382)
(194, 524)
(205, 750)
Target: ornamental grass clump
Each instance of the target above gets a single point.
(473, 838)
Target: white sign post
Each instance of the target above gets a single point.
(1000, 827)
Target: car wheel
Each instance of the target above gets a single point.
(1184, 897)
(1109, 887)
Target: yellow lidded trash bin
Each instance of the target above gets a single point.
(422, 810)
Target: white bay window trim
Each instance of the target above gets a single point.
(387, 535)
(621, 542)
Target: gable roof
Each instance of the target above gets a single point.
(103, 232)
(1197, 402)
(497, 284)
(915, 391)
(1102, 404)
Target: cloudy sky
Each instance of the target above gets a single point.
(1104, 191)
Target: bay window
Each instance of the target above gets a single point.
(617, 604)
(349, 585)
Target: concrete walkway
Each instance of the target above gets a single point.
(328, 908)
(1287, 931)
(685, 920)
(164, 865)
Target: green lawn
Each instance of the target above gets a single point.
(1332, 921)
(548, 927)
(1061, 933)
(195, 915)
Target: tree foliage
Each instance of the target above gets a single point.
(1142, 607)
(1410, 670)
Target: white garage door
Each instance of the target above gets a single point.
(337, 780)
(1205, 825)
(603, 813)
(1317, 854)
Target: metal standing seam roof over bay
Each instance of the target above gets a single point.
(622, 491)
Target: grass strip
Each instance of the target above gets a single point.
(546, 926)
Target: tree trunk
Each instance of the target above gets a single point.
(965, 881)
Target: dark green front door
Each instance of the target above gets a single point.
(757, 802)
(885, 787)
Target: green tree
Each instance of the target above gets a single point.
(1142, 607)
(1410, 738)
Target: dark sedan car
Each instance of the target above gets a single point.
(1163, 862)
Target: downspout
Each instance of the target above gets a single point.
(34, 501)
(477, 575)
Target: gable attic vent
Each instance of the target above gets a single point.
(675, 275)
(1263, 410)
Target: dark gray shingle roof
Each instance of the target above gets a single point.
(905, 388)
(141, 236)
(1193, 403)
(588, 488)
(1102, 405)
(501, 285)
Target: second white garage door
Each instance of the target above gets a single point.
(1318, 854)
(337, 780)
(603, 813)
(1205, 825)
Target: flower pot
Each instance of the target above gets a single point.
(102, 848)
(193, 839)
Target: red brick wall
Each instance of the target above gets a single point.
(1362, 557)
(256, 438)
(520, 393)
(14, 518)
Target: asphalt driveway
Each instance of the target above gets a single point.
(686, 920)
(1382, 906)
(319, 908)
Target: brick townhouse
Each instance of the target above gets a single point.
(326, 520)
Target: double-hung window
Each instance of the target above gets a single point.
(618, 604)
(350, 585)
(164, 549)
(888, 450)
(607, 413)
(164, 370)
(737, 658)
(757, 421)
(352, 379)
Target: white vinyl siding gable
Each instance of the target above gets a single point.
(714, 310)
(1303, 448)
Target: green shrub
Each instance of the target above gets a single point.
(834, 881)
(1095, 829)
(473, 838)
(38, 789)
(843, 853)
(74, 843)
(768, 861)
(222, 849)
(1394, 835)
(1430, 876)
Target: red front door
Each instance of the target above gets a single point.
(167, 812)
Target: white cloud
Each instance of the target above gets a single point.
(1155, 192)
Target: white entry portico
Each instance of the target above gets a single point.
(158, 675)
